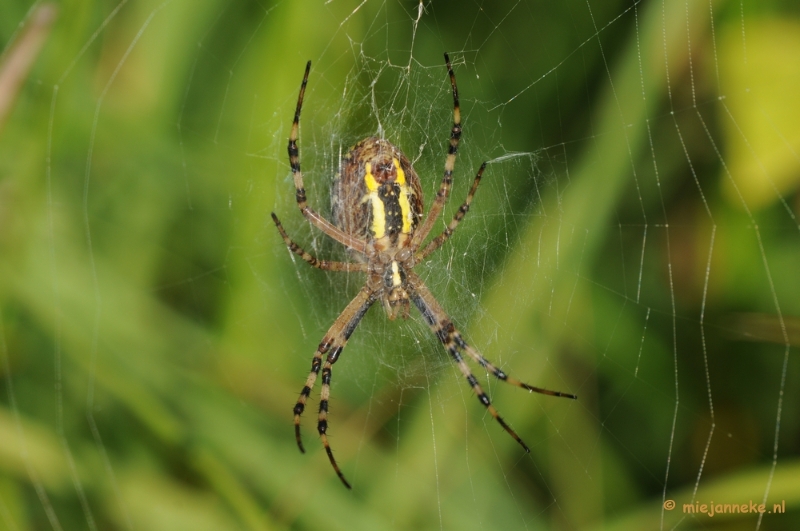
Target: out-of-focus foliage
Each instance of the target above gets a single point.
(154, 334)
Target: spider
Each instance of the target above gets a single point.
(377, 215)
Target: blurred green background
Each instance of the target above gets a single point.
(635, 241)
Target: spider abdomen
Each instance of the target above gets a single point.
(377, 196)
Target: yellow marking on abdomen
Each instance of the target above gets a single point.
(405, 204)
(369, 179)
(378, 215)
(401, 175)
(405, 209)
(378, 227)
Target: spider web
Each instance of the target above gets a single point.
(634, 241)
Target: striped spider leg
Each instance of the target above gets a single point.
(300, 191)
(331, 347)
(448, 334)
(325, 265)
(449, 165)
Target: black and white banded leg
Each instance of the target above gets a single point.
(331, 348)
(448, 334)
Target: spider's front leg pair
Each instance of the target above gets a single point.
(448, 334)
(331, 347)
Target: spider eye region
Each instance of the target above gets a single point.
(388, 196)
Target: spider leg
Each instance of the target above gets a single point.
(444, 329)
(322, 422)
(451, 338)
(313, 260)
(462, 211)
(300, 195)
(486, 364)
(332, 345)
(450, 162)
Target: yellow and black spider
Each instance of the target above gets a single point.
(377, 209)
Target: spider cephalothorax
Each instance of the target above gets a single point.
(377, 215)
